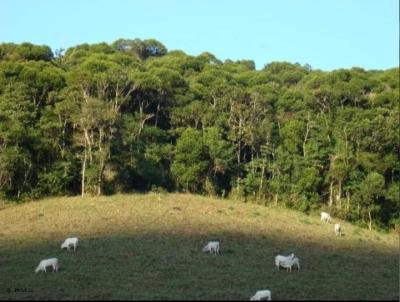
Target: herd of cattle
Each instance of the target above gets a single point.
(212, 247)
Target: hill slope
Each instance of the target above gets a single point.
(140, 247)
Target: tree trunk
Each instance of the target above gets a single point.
(143, 121)
(261, 180)
(327, 126)
(83, 174)
(88, 143)
(348, 200)
(101, 159)
(339, 194)
(99, 183)
(331, 194)
(157, 112)
(370, 220)
(239, 142)
(305, 140)
(238, 153)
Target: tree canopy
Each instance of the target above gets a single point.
(131, 115)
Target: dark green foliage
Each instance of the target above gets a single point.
(190, 161)
(102, 119)
(142, 49)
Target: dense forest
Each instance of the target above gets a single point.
(133, 116)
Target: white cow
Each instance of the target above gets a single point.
(70, 241)
(338, 230)
(280, 258)
(289, 263)
(212, 246)
(47, 262)
(262, 294)
(325, 217)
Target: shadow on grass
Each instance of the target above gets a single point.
(172, 266)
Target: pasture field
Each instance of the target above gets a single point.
(137, 247)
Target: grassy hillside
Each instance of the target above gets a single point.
(140, 247)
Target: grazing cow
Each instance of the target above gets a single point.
(325, 217)
(68, 242)
(212, 246)
(47, 262)
(262, 294)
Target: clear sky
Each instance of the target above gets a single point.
(327, 34)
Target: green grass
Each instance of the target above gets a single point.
(139, 248)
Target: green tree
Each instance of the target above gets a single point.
(190, 163)
(371, 190)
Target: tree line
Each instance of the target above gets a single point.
(133, 116)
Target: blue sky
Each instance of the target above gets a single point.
(327, 34)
